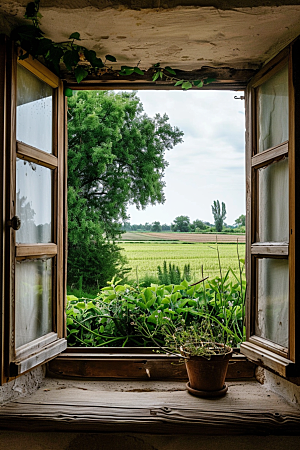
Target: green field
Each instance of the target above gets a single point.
(146, 256)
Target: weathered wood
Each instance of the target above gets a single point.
(41, 356)
(24, 250)
(40, 71)
(225, 78)
(89, 364)
(151, 407)
(268, 156)
(35, 155)
(265, 343)
(34, 346)
(271, 249)
(268, 358)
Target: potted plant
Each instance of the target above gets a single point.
(203, 346)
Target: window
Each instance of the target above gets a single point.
(271, 208)
(34, 217)
(33, 164)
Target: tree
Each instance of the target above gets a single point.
(241, 221)
(116, 158)
(219, 215)
(181, 223)
(156, 226)
(197, 225)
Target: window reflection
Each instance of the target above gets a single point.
(34, 110)
(33, 203)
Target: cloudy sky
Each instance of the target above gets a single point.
(209, 164)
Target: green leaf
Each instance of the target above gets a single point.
(80, 73)
(156, 65)
(187, 85)
(110, 58)
(91, 57)
(75, 35)
(71, 59)
(170, 70)
(43, 46)
(138, 71)
(198, 83)
(126, 70)
(68, 93)
(209, 80)
(155, 76)
(178, 83)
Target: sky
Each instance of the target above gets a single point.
(210, 163)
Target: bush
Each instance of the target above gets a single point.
(121, 313)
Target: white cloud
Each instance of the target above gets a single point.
(209, 165)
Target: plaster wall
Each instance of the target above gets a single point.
(20, 387)
(282, 387)
(73, 441)
(185, 35)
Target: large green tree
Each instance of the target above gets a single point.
(116, 158)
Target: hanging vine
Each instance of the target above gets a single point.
(77, 59)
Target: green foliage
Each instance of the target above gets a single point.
(181, 223)
(77, 58)
(156, 227)
(115, 157)
(219, 215)
(124, 315)
(172, 275)
(241, 221)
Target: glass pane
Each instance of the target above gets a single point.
(273, 300)
(273, 202)
(273, 111)
(33, 300)
(34, 111)
(34, 205)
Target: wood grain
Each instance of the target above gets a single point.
(24, 250)
(271, 249)
(35, 155)
(268, 156)
(40, 71)
(149, 407)
(121, 365)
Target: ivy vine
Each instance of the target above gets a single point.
(78, 59)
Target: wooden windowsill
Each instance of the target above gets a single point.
(133, 363)
(151, 407)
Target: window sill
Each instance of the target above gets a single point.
(132, 363)
(150, 407)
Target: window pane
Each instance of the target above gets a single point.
(273, 202)
(34, 111)
(273, 111)
(33, 300)
(34, 205)
(273, 300)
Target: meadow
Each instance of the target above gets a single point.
(144, 257)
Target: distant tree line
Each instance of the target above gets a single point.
(183, 224)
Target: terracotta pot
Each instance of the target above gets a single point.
(208, 374)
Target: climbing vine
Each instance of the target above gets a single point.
(78, 59)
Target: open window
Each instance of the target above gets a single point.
(34, 189)
(34, 216)
(271, 222)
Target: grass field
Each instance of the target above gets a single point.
(146, 256)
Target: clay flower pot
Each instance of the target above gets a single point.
(207, 376)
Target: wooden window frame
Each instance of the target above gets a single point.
(256, 349)
(283, 361)
(17, 361)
